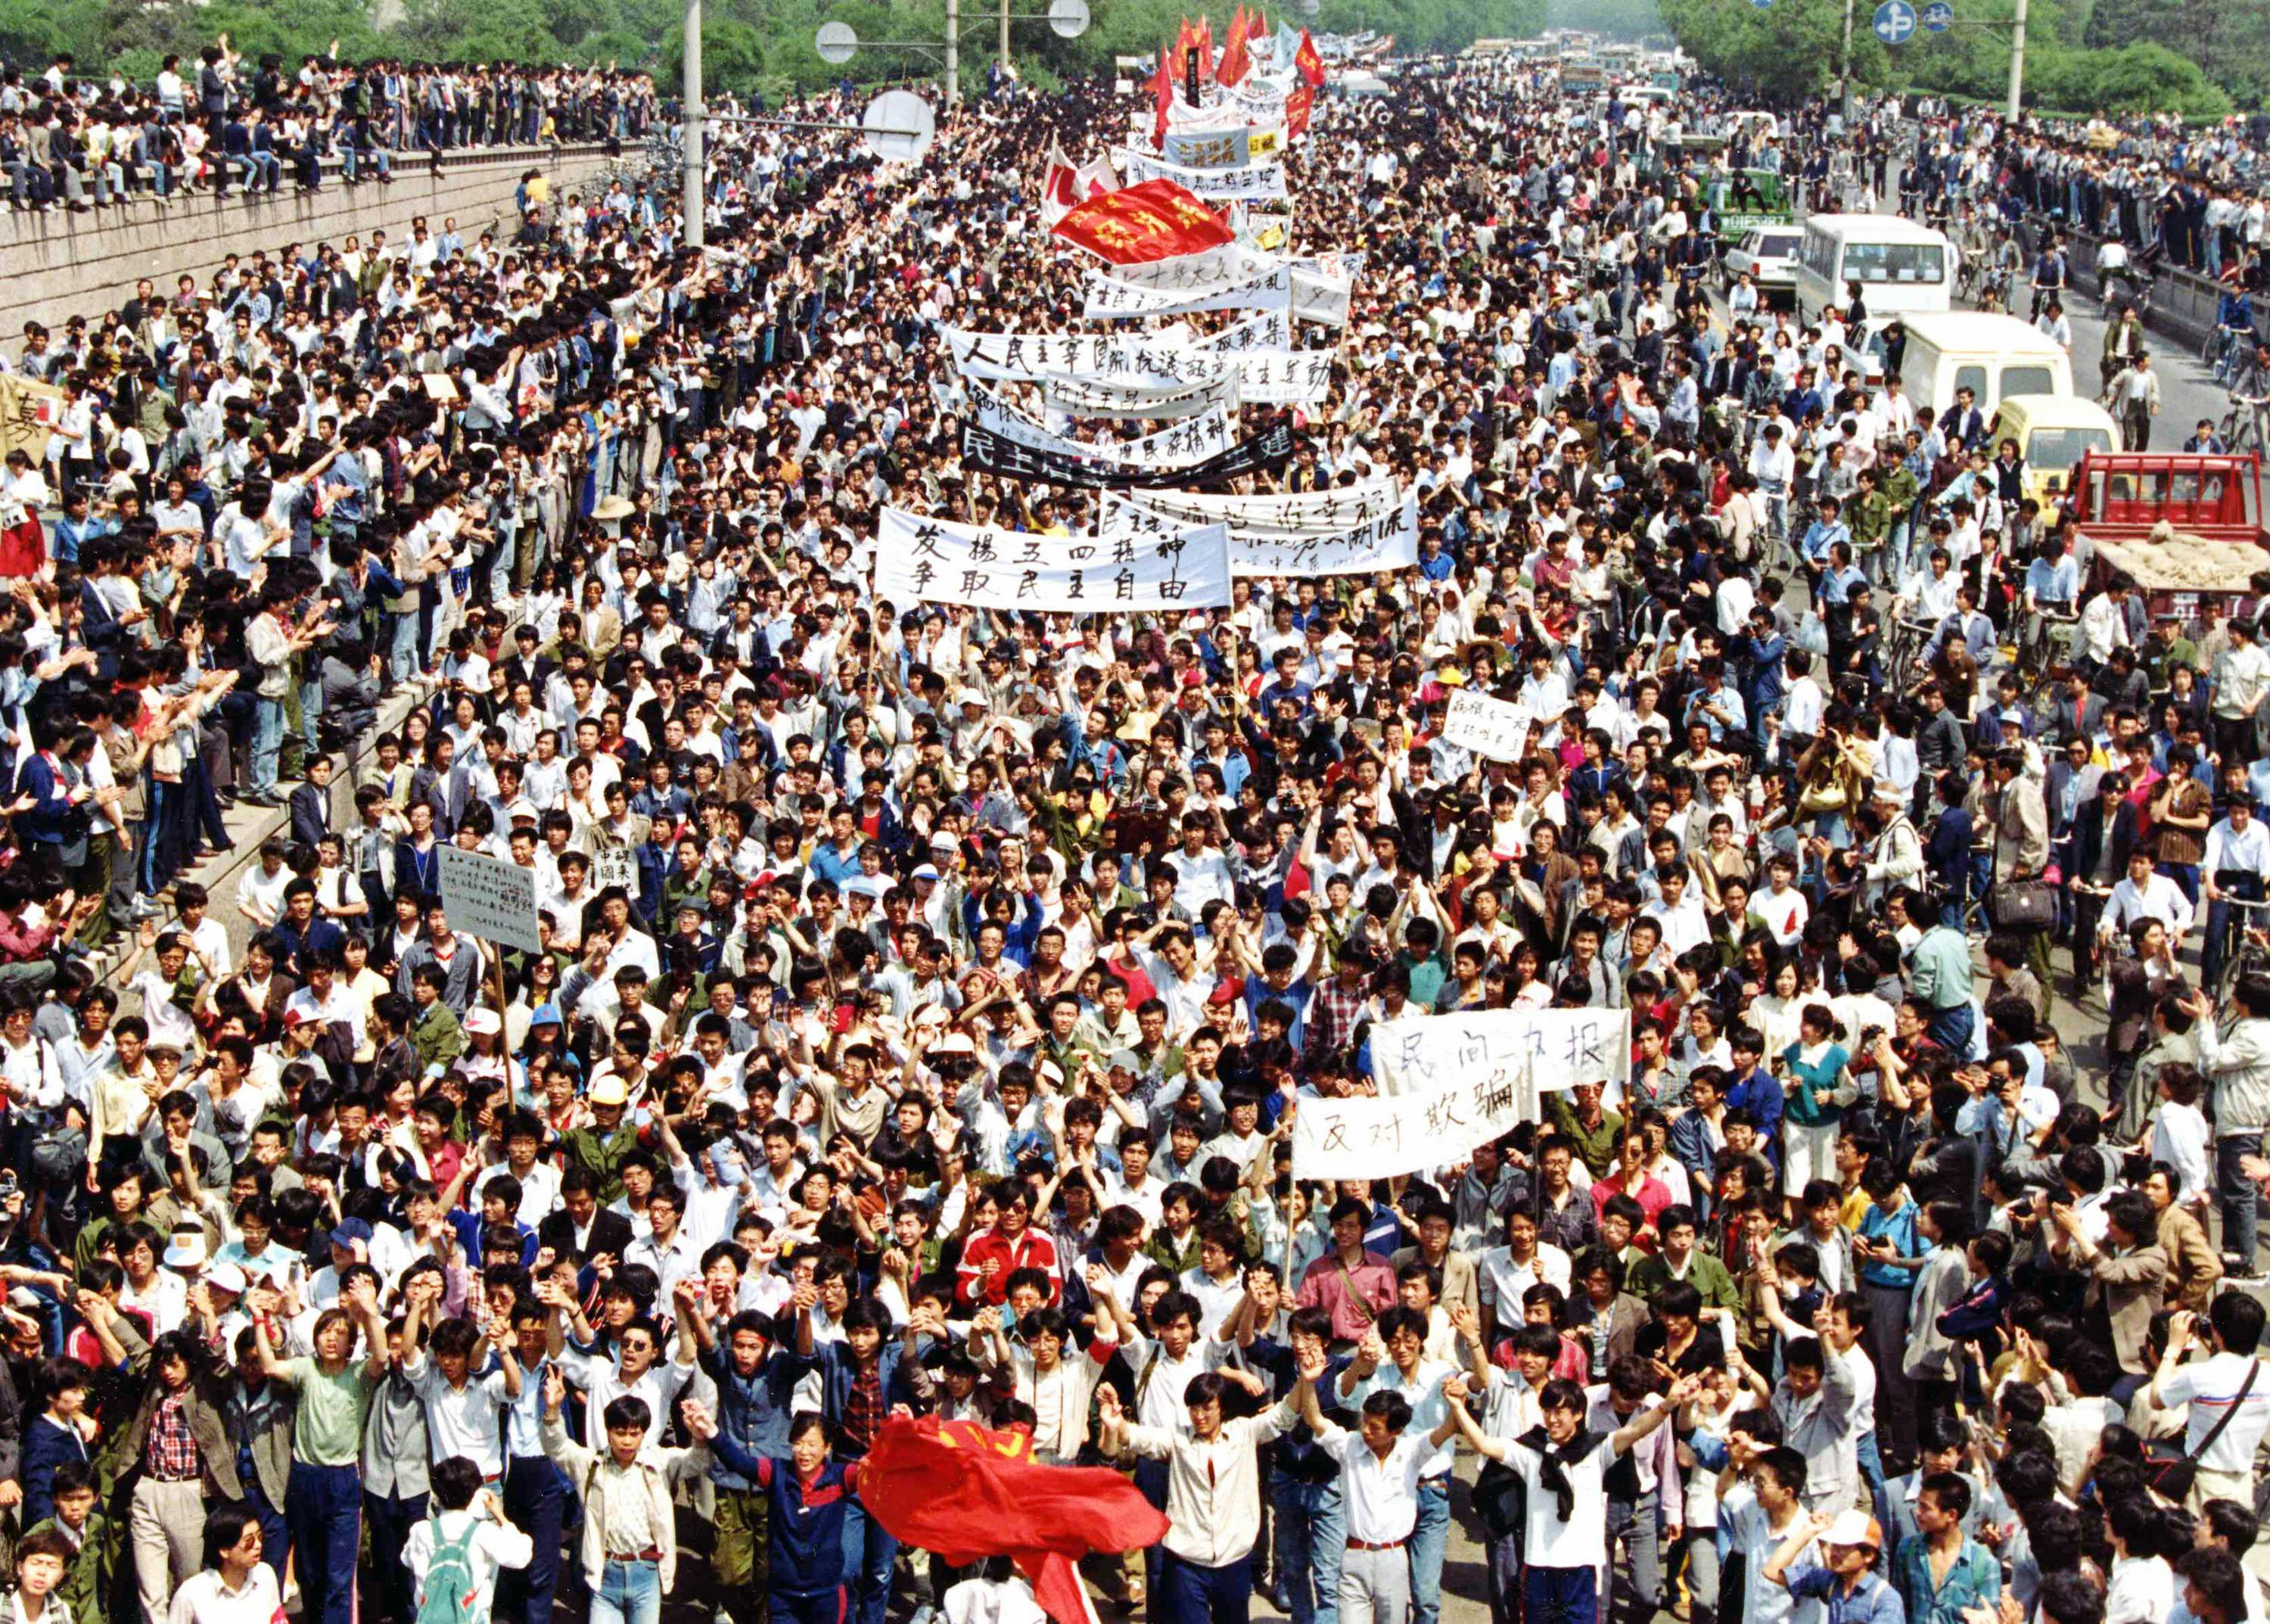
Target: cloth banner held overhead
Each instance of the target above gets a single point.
(925, 560)
(1389, 542)
(1310, 297)
(1272, 330)
(1209, 149)
(1435, 1123)
(1099, 398)
(1155, 218)
(1262, 181)
(1301, 512)
(989, 452)
(29, 410)
(1187, 443)
(1564, 1047)
(1494, 728)
(1021, 358)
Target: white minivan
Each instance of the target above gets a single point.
(1899, 264)
(1993, 356)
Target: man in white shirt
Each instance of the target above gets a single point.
(2146, 894)
(467, 1539)
(2209, 1388)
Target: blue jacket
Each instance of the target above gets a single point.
(833, 1360)
(806, 1521)
(46, 1447)
(752, 1411)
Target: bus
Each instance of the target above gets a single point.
(1898, 264)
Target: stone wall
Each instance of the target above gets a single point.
(62, 264)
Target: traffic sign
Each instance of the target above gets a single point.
(1763, 5)
(1896, 22)
(1939, 16)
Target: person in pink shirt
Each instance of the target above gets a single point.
(1630, 1177)
(1352, 1284)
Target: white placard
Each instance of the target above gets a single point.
(1437, 1125)
(1562, 1047)
(1017, 357)
(1495, 728)
(1271, 331)
(926, 560)
(615, 865)
(1388, 542)
(488, 898)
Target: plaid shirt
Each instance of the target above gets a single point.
(1333, 1010)
(170, 1453)
(864, 1411)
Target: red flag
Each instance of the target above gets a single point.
(1256, 26)
(1234, 63)
(967, 1494)
(1135, 225)
(1186, 40)
(1205, 48)
(1164, 87)
(1298, 104)
(1309, 59)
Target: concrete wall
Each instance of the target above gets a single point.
(62, 264)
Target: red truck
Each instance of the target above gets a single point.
(2188, 528)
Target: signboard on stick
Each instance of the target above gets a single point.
(489, 899)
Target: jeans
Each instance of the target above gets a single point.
(535, 1498)
(1431, 1540)
(1207, 1594)
(1887, 1344)
(274, 1539)
(267, 741)
(1636, 1523)
(325, 1516)
(628, 1593)
(2187, 877)
(1951, 1029)
(1311, 1532)
(389, 1598)
(869, 1552)
(1151, 1480)
(403, 654)
(311, 715)
(1559, 1596)
(2236, 1193)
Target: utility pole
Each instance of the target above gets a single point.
(1844, 62)
(953, 52)
(693, 203)
(2017, 61)
(1005, 38)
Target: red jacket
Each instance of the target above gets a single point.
(1032, 1250)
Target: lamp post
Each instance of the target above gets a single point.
(693, 203)
(837, 42)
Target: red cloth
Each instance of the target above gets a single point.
(965, 1493)
(1135, 225)
(1164, 88)
(1309, 61)
(1234, 63)
(1205, 42)
(1298, 106)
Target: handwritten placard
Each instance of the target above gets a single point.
(1378, 1136)
(1494, 728)
(489, 899)
(1564, 1047)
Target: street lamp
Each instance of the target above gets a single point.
(837, 42)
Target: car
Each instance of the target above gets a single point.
(1770, 254)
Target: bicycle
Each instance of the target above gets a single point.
(2248, 953)
(1904, 652)
(2242, 425)
(2045, 650)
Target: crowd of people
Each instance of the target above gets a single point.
(76, 140)
(927, 994)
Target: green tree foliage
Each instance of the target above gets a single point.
(1790, 49)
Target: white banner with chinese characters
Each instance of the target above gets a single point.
(1247, 181)
(1494, 728)
(1438, 1123)
(1191, 442)
(1132, 398)
(1018, 357)
(1311, 296)
(1390, 541)
(1564, 1047)
(925, 560)
(1272, 330)
(1209, 149)
(1300, 512)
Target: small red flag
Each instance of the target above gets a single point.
(1164, 86)
(1205, 48)
(1309, 59)
(1256, 26)
(966, 1493)
(1298, 105)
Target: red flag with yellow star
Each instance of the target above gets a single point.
(1309, 60)
(967, 1492)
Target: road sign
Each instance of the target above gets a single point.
(835, 43)
(1896, 22)
(899, 126)
(1939, 16)
(1068, 18)
(1763, 5)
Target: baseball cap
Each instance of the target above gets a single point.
(483, 1020)
(927, 871)
(609, 1091)
(228, 1277)
(1854, 1527)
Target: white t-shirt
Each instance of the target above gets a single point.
(1583, 1541)
(204, 1600)
(494, 1545)
(2210, 1386)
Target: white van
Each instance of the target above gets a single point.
(1993, 356)
(1899, 264)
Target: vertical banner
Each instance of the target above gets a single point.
(1190, 77)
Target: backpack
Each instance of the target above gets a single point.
(451, 1592)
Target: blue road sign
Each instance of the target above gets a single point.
(1896, 22)
(1938, 17)
(1763, 5)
